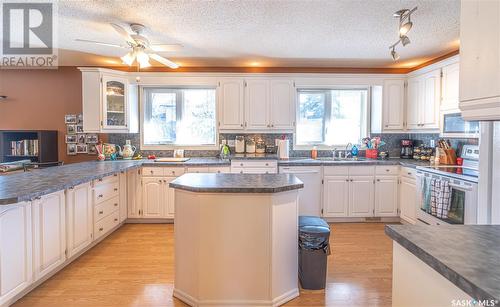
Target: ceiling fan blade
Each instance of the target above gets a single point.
(123, 32)
(99, 43)
(163, 61)
(165, 47)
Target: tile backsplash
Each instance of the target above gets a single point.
(392, 141)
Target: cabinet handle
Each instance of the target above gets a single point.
(173, 172)
(115, 189)
(241, 164)
(387, 170)
(101, 229)
(116, 220)
(409, 174)
(347, 180)
(159, 180)
(267, 164)
(241, 172)
(241, 125)
(115, 175)
(116, 204)
(100, 196)
(151, 171)
(378, 180)
(165, 181)
(100, 179)
(272, 125)
(71, 188)
(218, 171)
(352, 180)
(268, 126)
(101, 212)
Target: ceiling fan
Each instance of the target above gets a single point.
(141, 50)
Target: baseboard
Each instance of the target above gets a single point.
(148, 221)
(394, 219)
(280, 300)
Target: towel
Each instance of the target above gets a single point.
(426, 194)
(440, 198)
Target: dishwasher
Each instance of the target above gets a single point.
(310, 195)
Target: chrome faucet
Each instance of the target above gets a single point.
(334, 153)
(348, 148)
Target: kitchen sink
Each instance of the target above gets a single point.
(342, 159)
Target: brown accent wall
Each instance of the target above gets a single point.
(39, 99)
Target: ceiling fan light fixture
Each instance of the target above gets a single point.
(394, 54)
(405, 40)
(143, 59)
(128, 58)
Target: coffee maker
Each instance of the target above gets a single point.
(406, 149)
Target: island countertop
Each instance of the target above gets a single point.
(237, 183)
(467, 255)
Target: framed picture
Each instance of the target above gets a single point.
(71, 139)
(71, 149)
(92, 149)
(92, 138)
(71, 129)
(79, 119)
(79, 129)
(82, 138)
(70, 119)
(82, 148)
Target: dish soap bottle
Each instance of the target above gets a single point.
(354, 151)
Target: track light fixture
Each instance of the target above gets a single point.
(405, 26)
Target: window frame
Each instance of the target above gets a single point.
(327, 90)
(172, 146)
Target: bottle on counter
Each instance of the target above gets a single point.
(314, 152)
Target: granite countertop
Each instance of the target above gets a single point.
(297, 161)
(237, 183)
(467, 255)
(28, 185)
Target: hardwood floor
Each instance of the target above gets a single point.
(134, 267)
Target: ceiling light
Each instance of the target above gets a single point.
(128, 58)
(143, 59)
(405, 28)
(404, 40)
(394, 54)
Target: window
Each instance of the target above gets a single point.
(332, 117)
(179, 117)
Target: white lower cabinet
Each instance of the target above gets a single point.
(123, 196)
(79, 221)
(134, 193)
(386, 196)
(158, 197)
(336, 196)
(361, 195)
(16, 258)
(49, 233)
(407, 200)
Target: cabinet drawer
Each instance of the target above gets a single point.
(219, 170)
(259, 163)
(361, 170)
(105, 180)
(106, 191)
(408, 172)
(197, 170)
(336, 170)
(106, 224)
(152, 171)
(173, 171)
(387, 170)
(105, 208)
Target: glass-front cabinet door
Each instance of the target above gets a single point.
(115, 113)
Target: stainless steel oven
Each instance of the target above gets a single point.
(453, 125)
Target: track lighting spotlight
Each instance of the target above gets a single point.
(404, 27)
(404, 40)
(394, 54)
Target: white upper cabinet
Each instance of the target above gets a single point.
(282, 104)
(110, 102)
(449, 87)
(16, 258)
(480, 60)
(424, 93)
(393, 116)
(257, 104)
(231, 104)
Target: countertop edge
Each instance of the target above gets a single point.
(454, 277)
(237, 190)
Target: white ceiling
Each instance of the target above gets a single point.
(332, 33)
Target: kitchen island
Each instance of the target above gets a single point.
(445, 265)
(236, 239)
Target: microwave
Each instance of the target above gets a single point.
(453, 125)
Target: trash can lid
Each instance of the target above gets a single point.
(313, 224)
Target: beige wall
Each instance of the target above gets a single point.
(39, 99)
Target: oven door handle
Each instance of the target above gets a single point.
(460, 187)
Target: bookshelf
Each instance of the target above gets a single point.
(35, 145)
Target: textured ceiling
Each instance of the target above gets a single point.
(265, 33)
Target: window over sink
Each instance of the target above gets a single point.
(179, 117)
(331, 117)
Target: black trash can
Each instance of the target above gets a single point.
(314, 248)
